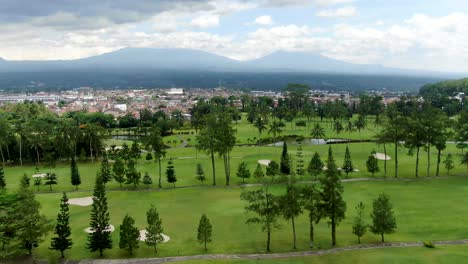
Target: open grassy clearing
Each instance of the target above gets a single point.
(414, 255)
(425, 210)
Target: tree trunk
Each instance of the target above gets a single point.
(428, 159)
(382, 234)
(91, 151)
(21, 151)
(396, 159)
(213, 167)
(225, 158)
(385, 160)
(206, 249)
(100, 252)
(268, 240)
(8, 152)
(417, 162)
(61, 252)
(3, 158)
(359, 240)
(37, 153)
(333, 232)
(438, 162)
(159, 164)
(294, 232)
(311, 231)
(155, 248)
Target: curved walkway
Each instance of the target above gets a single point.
(272, 255)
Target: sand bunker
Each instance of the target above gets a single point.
(264, 162)
(143, 236)
(84, 201)
(381, 156)
(110, 228)
(186, 158)
(39, 175)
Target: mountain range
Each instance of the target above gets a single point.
(165, 67)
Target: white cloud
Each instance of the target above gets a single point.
(264, 20)
(321, 3)
(347, 11)
(205, 21)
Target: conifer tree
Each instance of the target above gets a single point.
(129, 235)
(149, 156)
(38, 182)
(359, 226)
(205, 230)
(291, 207)
(154, 229)
(372, 164)
(133, 176)
(272, 169)
(135, 151)
(170, 172)
(50, 179)
(62, 240)
(2, 179)
(300, 161)
(258, 173)
(449, 164)
(311, 200)
(285, 163)
(315, 167)
(25, 181)
(348, 163)
(332, 205)
(383, 218)
(200, 173)
(147, 180)
(118, 171)
(243, 172)
(75, 174)
(100, 239)
(105, 172)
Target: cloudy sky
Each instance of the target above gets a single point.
(420, 34)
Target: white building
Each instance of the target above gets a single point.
(121, 107)
(176, 91)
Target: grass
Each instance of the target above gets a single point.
(425, 210)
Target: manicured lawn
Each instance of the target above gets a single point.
(425, 210)
(414, 255)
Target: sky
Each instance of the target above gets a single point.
(416, 34)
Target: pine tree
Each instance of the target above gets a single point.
(332, 205)
(383, 218)
(285, 163)
(243, 172)
(51, 179)
(449, 164)
(359, 226)
(25, 181)
(154, 229)
(300, 161)
(75, 174)
(272, 169)
(311, 200)
(2, 179)
(315, 167)
(147, 180)
(291, 207)
(100, 239)
(372, 164)
(170, 172)
(149, 156)
(38, 182)
(348, 163)
(200, 173)
(135, 151)
(118, 171)
(258, 173)
(105, 172)
(205, 230)
(133, 176)
(62, 240)
(129, 235)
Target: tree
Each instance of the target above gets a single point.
(348, 163)
(393, 130)
(129, 235)
(25, 181)
(149, 156)
(135, 151)
(265, 207)
(225, 141)
(272, 169)
(258, 173)
(315, 167)
(449, 164)
(75, 174)
(118, 171)
(206, 141)
(311, 200)
(260, 124)
(51, 179)
(205, 230)
(372, 164)
(332, 205)
(31, 226)
(275, 128)
(359, 226)
(62, 240)
(2, 179)
(300, 161)
(154, 228)
(100, 239)
(285, 163)
(383, 218)
(170, 172)
(318, 132)
(243, 172)
(38, 182)
(147, 180)
(200, 173)
(155, 142)
(464, 160)
(105, 171)
(133, 176)
(291, 207)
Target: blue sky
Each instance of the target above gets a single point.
(418, 34)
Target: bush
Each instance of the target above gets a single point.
(428, 244)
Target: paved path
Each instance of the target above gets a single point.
(269, 256)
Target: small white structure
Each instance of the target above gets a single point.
(121, 107)
(40, 175)
(176, 91)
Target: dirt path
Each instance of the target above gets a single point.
(270, 256)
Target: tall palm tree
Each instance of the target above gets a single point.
(318, 131)
(275, 128)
